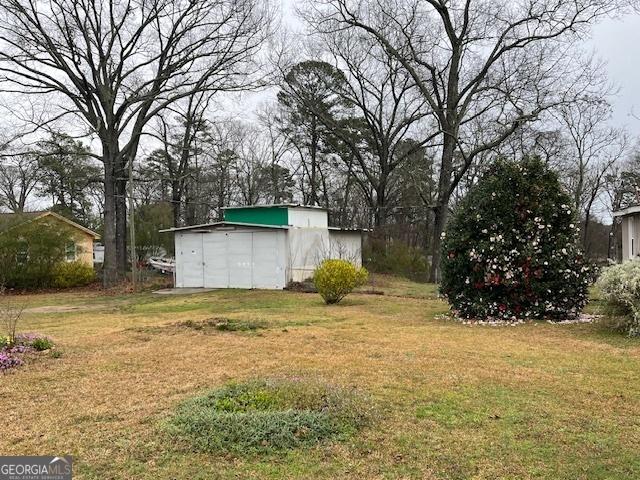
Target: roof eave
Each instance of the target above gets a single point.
(276, 205)
(219, 224)
(627, 211)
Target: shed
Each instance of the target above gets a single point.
(260, 246)
(630, 219)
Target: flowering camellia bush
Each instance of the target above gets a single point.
(510, 251)
(620, 288)
(335, 279)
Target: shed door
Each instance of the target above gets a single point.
(240, 257)
(268, 271)
(235, 259)
(216, 268)
(191, 260)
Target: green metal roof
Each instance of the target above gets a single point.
(262, 215)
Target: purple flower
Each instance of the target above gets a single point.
(8, 361)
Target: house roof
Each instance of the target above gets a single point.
(276, 205)
(11, 220)
(627, 211)
(225, 224)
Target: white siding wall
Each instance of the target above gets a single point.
(189, 259)
(307, 248)
(308, 218)
(346, 245)
(630, 236)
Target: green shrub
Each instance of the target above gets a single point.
(261, 416)
(396, 258)
(29, 252)
(510, 249)
(620, 288)
(335, 279)
(73, 274)
(41, 344)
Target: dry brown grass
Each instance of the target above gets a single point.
(454, 401)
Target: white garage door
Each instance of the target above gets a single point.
(243, 259)
(216, 272)
(190, 269)
(268, 260)
(240, 256)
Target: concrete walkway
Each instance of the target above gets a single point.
(183, 291)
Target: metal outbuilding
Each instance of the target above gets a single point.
(260, 246)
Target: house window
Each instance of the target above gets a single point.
(70, 252)
(22, 256)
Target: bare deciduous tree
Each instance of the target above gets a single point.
(593, 149)
(116, 65)
(485, 68)
(19, 176)
(384, 110)
(10, 314)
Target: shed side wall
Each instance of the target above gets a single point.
(308, 218)
(347, 246)
(307, 247)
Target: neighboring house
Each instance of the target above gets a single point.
(260, 246)
(630, 219)
(80, 246)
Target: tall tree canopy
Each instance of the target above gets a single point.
(117, 64)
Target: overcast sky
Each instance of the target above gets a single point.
(617, 42)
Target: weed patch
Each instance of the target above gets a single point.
(211, 325)
(265, 416)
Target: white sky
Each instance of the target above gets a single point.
(617, 42)
(614, 41)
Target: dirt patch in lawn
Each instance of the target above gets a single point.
(64, 308)
(208, 326)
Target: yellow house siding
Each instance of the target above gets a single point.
(84, 247)
(83, 240)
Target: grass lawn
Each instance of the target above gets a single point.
(450, 401)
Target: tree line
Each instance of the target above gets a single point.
(384, 112)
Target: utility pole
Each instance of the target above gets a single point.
(132, 231)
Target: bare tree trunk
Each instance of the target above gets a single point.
(110, 265)
(176, 201)
(314, 165)
(380, 214)
(121, 219)
(441, 209)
